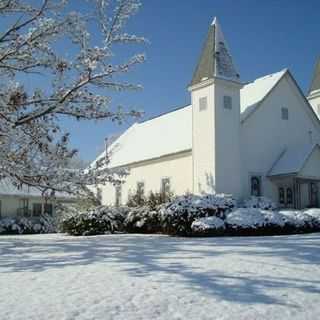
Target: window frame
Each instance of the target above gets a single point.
(259, 179)
(284, 113)
(139, 188)
(203, 103)
(227, 102)
(163, 187)
(118, 195)
(281, 196)
(33, 209)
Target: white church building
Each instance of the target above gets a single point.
(259, 138)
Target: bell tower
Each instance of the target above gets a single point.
(314, 92)
(215, 95)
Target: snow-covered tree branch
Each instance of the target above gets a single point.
(51, 40)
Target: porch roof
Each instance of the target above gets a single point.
(293, 161)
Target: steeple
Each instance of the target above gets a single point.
(215, 59)
(315, 84)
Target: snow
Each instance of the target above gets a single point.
(157, 277)
(141, 141)
(171, 132)
(292, 160)
(208, 223)
(255, 92)
(252, 218)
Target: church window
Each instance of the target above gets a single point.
(118, 195)
(165, 187)
(140, 188)
(203, 104)
(289, 196)
(227, 102)
(281, 195)
(256, 186)
(284, 113)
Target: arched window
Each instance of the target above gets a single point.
(281, 195)
(289, 196)
(256, 186)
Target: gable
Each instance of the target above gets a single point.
(311, 167)
(288, 94)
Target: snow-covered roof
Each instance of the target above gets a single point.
(167, 134)
(252, 94)
(215, 59)
(172, 132)
(292, 160)
(8, 189)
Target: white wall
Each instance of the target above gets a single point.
(203, 137)
(264, 135)
(11, 204)
(311, 168)
(176, 167)
(227, 138)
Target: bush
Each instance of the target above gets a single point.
(142, 220)
(178, 216)
(209, 226)
(45, 224)
(93, 222)
(260, 203)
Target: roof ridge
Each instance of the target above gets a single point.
(165, 113)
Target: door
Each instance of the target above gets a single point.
(304, 193)
(314, 202)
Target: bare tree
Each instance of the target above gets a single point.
(80, 74)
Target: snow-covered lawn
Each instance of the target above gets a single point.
(159, 277)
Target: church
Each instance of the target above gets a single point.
(242, 139)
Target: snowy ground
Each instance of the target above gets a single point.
(158, 277)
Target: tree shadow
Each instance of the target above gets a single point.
(193, 263)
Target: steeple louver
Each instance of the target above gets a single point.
(215, 59)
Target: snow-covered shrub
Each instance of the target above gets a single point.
(178, 215)
(209, 226)
(260, 203)
(101, 220)
(251, 219)
(27, 226)
(142, 220)
(299, 220)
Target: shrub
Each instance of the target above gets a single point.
(209, 226)
(178, 216)
(142, 220)
(260, 203)
(93, 222)
(45, 224)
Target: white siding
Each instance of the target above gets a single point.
(11, 204)
(203, 137)
(265, 135)
(176, 167)
(227, 139)
(311, 168)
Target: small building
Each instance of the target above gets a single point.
(259, 138)
(26, 201)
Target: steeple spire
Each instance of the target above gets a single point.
(215, 59)
(315, 84)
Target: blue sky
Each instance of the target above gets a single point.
(263, 36)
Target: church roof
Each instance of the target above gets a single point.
(164, 135)
(171, 133)
(291, 161)
(315, 84)
(253, 93)
(215, 59)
